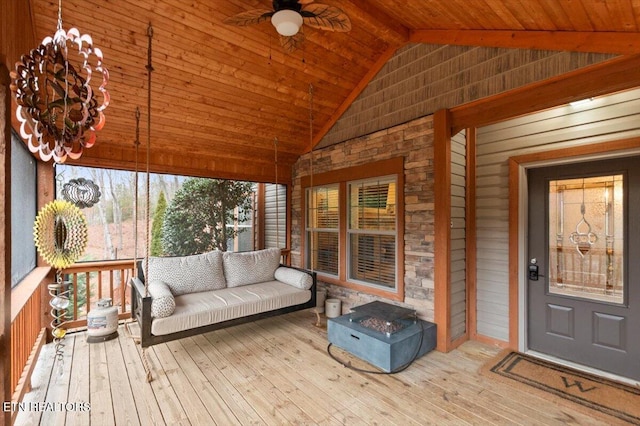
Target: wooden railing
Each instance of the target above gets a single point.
(92, 281)
(28, 332)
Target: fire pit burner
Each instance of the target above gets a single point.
(382, 317)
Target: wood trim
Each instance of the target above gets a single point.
(21, 294)
(382, 168)
(210, 166)
(621, 43)
(514, 253)
(373, 71)
(471, 236)
(579, 151)
(5, 235)
(491, 341)
(457, 342)
(262, 229)
(442, 190)
(515, 164)
(604, 78)
(342, 235)
(288, 190)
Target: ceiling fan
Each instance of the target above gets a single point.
(288, 16)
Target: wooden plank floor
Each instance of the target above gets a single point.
(274, 371)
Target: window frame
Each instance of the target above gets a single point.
(351, 232)
(393, 167)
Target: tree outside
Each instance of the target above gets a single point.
(195, 220)
(156, 229)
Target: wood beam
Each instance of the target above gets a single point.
(621, 43)
(377, 22)
(606, 77)
(187, 164)
(5, 236)
(442, 195)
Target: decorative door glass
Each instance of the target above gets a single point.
(586, 238)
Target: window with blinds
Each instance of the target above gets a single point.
(354, 227)
(371, 231)
(323, 220)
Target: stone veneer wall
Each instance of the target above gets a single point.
(414, 142)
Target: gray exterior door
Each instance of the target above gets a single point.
(583, 288)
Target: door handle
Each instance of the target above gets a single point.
(533, 272)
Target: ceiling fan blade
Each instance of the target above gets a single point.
(304, 2)
(292, 43)
(324, 17)
(250, 17)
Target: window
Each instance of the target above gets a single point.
(372, 231)
(23, 210)
(354, 229)
(196, 214)
(322, 229)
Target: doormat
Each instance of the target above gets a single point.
(596, 393)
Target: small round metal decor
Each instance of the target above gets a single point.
(81, 192)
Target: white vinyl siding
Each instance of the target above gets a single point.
(604, 119)
(275, 216)
(458, 241)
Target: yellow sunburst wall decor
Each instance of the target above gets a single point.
(60, 233)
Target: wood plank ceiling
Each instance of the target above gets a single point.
(221, 93)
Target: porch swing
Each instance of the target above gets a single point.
(247, 286)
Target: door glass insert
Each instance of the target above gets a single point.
(586, 238)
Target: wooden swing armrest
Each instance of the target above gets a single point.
(141, 307)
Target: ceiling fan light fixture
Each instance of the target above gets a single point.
(287, 22)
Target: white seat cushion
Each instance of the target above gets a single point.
(199, 309)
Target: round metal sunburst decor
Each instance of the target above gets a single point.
(58, 108)
(81, 192)
(60, 233)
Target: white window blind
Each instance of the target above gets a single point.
(323, 217)
(372, 231)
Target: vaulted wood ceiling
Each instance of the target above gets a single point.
(221, 93)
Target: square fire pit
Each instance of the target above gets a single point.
(382, 334)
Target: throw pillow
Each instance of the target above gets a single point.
(162, 302)
(250, 267)
(189, 274)
(294, 277)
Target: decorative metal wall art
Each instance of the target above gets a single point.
(58, 108)
(60, 233)
(81, 192)
(59, 303)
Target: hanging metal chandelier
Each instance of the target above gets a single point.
(59, 108)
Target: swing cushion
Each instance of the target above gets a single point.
(244, 268)
(189, 274)
(163, 303)
(294, 277)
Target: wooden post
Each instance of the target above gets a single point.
(5, 235)
(442, 195)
